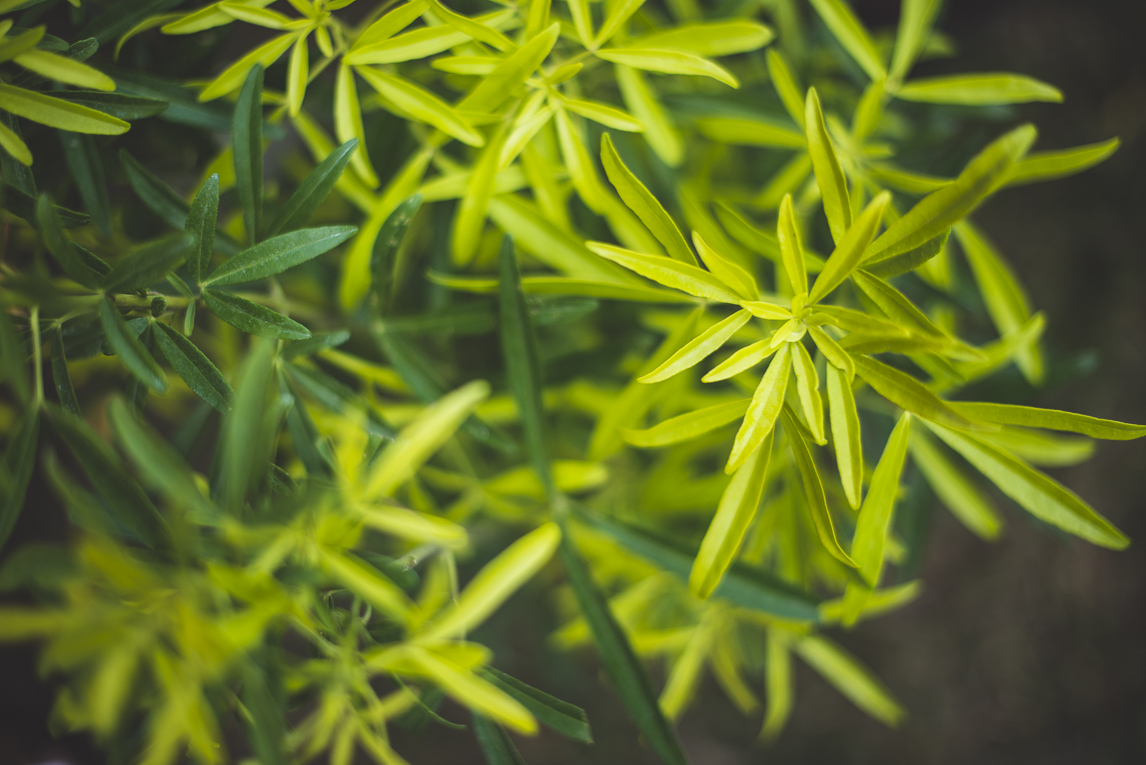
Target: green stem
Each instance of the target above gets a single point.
(38, 357)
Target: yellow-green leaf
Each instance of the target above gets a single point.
(642, 102)
(391, 23)
(417, 527)
(699, 348)
(58, 113)
(1050, 419)
(297, 72)
(751, 131)
(669, 61)
(791, 251)
(850, 249)
(234, 76)
(1048, 165)
(955, 490)
(987, 89)
(874, 520)
(711, 38)
(851, 679)
(850, 33)
(688, 426)
(745, 358)
(808, 389)
(609, 116)
(422, 105)
(763, 411)
(669, 272)
(348, 123)
(365, 582)
(915, 20)
(908, 393)
(790, 93)
(511, 74)
(846, 433)
(474, 28)
(619, 12)
(64, 69)
(813, 488)
(829, 175)
(727, 270)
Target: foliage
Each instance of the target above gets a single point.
(275, 442)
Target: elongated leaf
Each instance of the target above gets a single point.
(511, 74)
(58, 113)
(1051, 419)
(561, 716)
(791, 251)
(850, 249)
(629, 678)
(276, 255)
(808, 389)
(236, 75)
(469, 222)
(727, 270)
(874, 520)
(832, 351)
(712, 38)
(846, 434)
(86, 166)
(829, 175)
(908, 393)
(146, 264)
(910, 259)
(87, 272)
(474, 29)
(813, 488)
(699, 348)
(669, 272)
(669, 61)
(745, 358)
(955, 490)
(496, 746)
(1048, 165)
(850, 33)
(194, 367)
(1039, 495)
(734, 514)
(941, 209)
(247, 149)
(337, 397)
(641, 201)
(65, 70)
(129, 348)
(690, 425)
(422, 105)
(252, 317)
(979, 90)
(200, 227)
(391, 23)
(754, 131)
(154, 193)
(609, 116)
(312, 191)
(18, 462)
(114, 21)
(852, 679)
(61, 377)
(764, 410)
(118, 105)
(385, 254)
(660, 134)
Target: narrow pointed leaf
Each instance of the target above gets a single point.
(908, 393)
(669, 272)
(850, 249)
(852, 679)
(874, 520)
(699, 348)
(58, 113)
(469, 222)
(496, 746)
(422, 105)
(846, 434)
(200, 227)
(1048, 165)
(561, 716)
(850, 33)
(18, 462)
(247, 148)
(987, 89)
(915, 22)
(690, 425)
(276, 255)
(1051, 419)
(726, 269)
(808, 389)
(669, 61)
(384, 257)
(829, 175)
(764, 410)
(745, 358)
(252, 317)
(66, 252)
(129, 348)
(194, 367)
(955, 490)
(813, 489)
(791, 251)
(86, 165)
(511, 74)
(711, 38)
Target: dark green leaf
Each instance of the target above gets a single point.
(304, 435)
(129, 348)
(252, 317)
(495, 744)
(247, 145)
(246, 442)
(37, 565)
(278, 254)
(116, 104)
(194, 367)
(86, 165)
(183, 105)
(61, 377)
(16, 173)
(148, 264)
(121, 16)
(157, 195)
(12, 357)
(561, 716)
(66, 253)
(200, 227)
(18, 462)
(23, 205)
(265, 699)
(620, 661)
(382, 260)
(317, 342)
(519, 347)
(310, 193)
(337, 397)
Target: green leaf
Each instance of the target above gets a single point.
(65, 70)
(734, 514)
(18, 462)
(1038, 494)
(939, 210)
(384, 257)
(791, 95)
(61, 377)
(246, 442)
(247, 149)
(689, 425)
(727, 270)
(252, 317)
(629, 678)
(813, 488)
(1048, 165)
(850, 249)
(391, 23)
(129, 348)
(469, 222)
(609, 116)
(986, 89)
(955, 490)
(510, 74)
(711, 38)
(154, 193)
(846, 434)
(86, 166)
(764, 410)
(183, 105)
(1050, 419)
(791, 251)
(422, 105)
(669, 61)
(561, 716)
(200, 227)
(337, 397)
(58, 113)
(915, 22)
(265, 702)
(874, 520)
(642, 101)
(745, 358)
(829, 175)
(23, 205)
(808, 389)
(906, 392)
(779, 679)
(66, 252)
(909, 260)
(114, 21)
(146, 264)
(851, 678)
(641, 201)
(699, 348)
(276, 255)
(194, 367)
(523, 368)
(129, 505)
(754, 131)
(496, 746)
(669, 272)
(117, 105)
(850, 33)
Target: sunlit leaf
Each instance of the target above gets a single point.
(829, 175)
(813, 488)
(764, 410)
(850, 33)
(669, 61)
(955, 490)
(978, 90)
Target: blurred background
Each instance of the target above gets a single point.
(1030, 650)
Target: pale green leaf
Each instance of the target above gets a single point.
(727, 270)
(751, 131)
(745, 358)
(987, 89)
(469, 222)
(64, 69)
(791, 251)
(851, 678)
(908, 393)
(711, 38)
(955, 490)
(1048, 165)
(391, 23)
(699, 348)
(619, 13)
(813, 485)
(58, 113)
(850, 249)
(473, 28)
(609, 116)
(808, 389)
(233, 77)
(348, 123)
(790, 93)
(829, 175)
(846, 433)
(642, 101)
(688, 426)
(915, 20)
(669, 272)
(669, 61)
(511, 74)
(874, 522)
(850, 33)
(764, 410)
(1050, 419)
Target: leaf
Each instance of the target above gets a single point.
(422, 105)
(65, 70)
(779, 679)
(66, 252)
(909, 260)
(15, 146)
(312, 191)
(618, 14)
(154, 193)
(1048, 165)
(264, 699)
(641, 201)
(641, 100)
(496, 581)
(86, 166)
(745, 358)
(941, 209)
(791, 251)
(669, 61)
(764, 410)
(754, 131)
(734, 514)
(200, 227)
(1038, 494)
(510, 74)
(689, 425)
(129, 348)
(727, 270)
(237, 74)
(561, 716)
(523, 368)
(906, 392)
(391, 23)
(850, 33)
(18, 463)
(474, 29)
(807, 387)
(609, 116)
(852, 679)
(58, 113)
(469, 221)
(128, 504)
(850, 249)
(846, 434)
(955, 490)
(276, 255)
(247, 149)
(297, 74)
(699, 348)
(711, 38)
(364, 581)
(1051, 419)
(470, 689)
(183, 105)
(194, 367)
(915, 22)
(874, 520)
(61, 377)
(337, 397)
(246, 443)
(114, 21)
(629, 678)
(252, 317)
(419, 440)
(385, 254)
(813, 488)
(146, 264)
(829, 175)
(987, 89)
(496, 746)
(669, 272)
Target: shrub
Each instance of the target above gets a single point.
(275, 442)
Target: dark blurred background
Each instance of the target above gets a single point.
(1030, 650)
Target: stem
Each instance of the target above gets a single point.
(38, 357)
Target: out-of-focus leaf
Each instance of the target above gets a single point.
(18, 462)
(978, 90)
(955, 490)
(699, 348)
(915, 20)
(117, 105)
(247, 150)
(689, 425)
(669, 61)
(755, 131)
(641, 99)
(712, 38)
(908, 393)
(385, 254)
(422, 105)
(310, 193)
(561, 716)
(850, 678)
(86, 166)
(470, 218)
(86, 269)
(1051, 419)
(1048, 165)
(496, 746)
(669, 272)
(850, 33)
